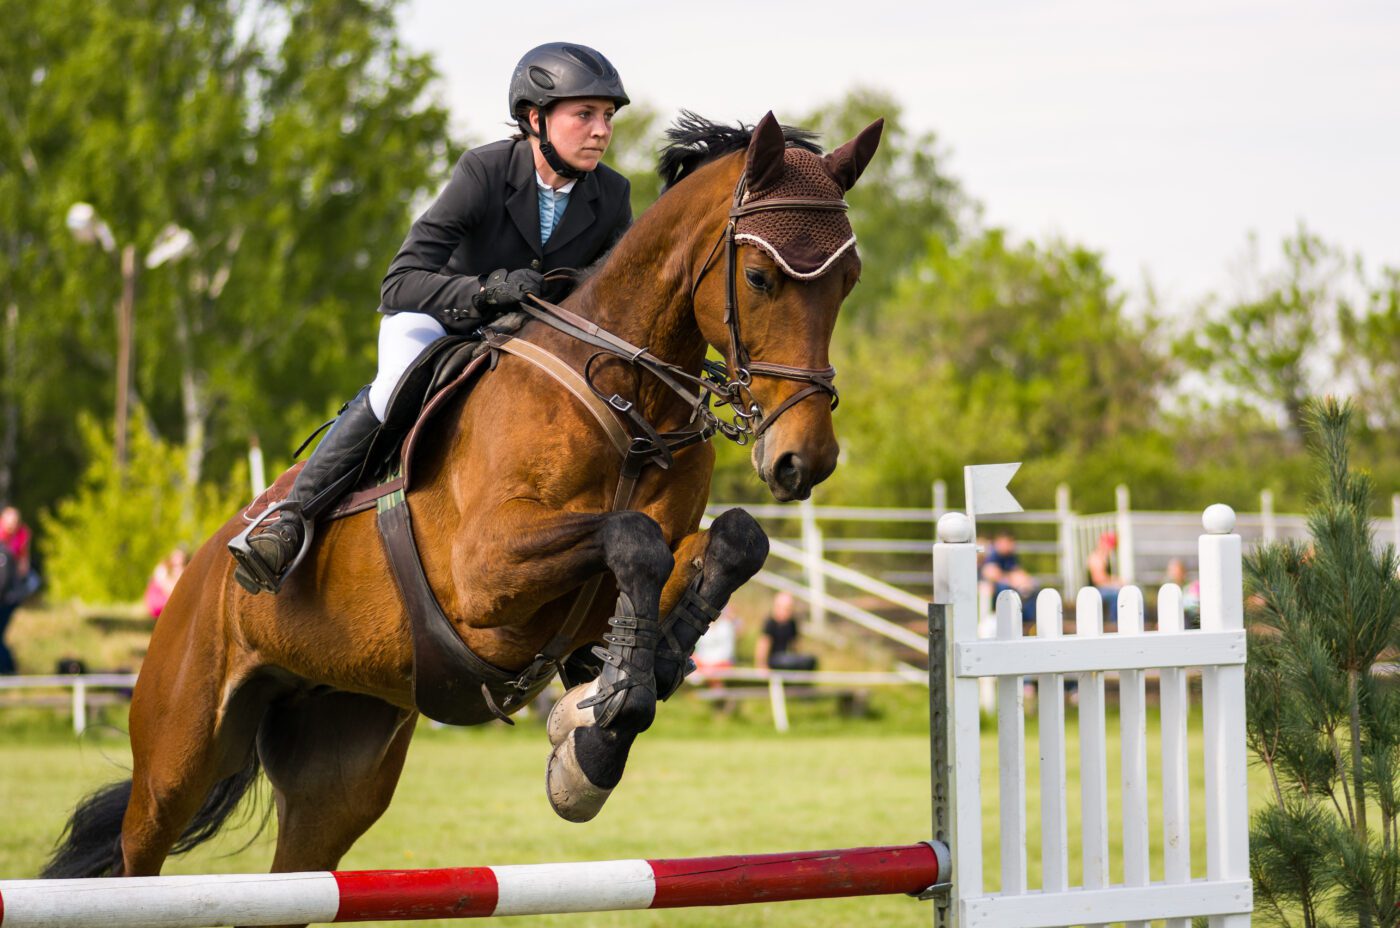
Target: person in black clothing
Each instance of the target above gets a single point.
(774, 649)
(513, 211)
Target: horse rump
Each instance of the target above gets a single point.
(91, 843)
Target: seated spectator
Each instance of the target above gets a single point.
(774, 649)
(1099, 563)
(162, 582)
(716, 648)
(1190, 591)
(1002, 569)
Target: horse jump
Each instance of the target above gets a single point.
(926, 870)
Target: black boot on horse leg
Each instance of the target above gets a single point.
(593, 727)
(734, 551)
(269, 549)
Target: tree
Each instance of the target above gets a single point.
(1275, 343)
(288, 136)
(1319, 719)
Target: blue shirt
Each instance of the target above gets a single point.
(552, 205)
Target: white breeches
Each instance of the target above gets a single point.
(402, 338)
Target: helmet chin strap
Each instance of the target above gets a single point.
(551, 156)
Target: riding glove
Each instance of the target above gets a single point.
(503, 288)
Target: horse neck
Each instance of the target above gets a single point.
(642, 293)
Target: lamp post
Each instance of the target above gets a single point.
(172, 244)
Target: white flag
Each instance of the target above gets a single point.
(986, 487)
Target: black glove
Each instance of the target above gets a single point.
(502, 289)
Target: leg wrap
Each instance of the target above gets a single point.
(684, 626)
(627, 664)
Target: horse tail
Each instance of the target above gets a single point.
(91, 843)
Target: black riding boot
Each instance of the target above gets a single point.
(268, 551)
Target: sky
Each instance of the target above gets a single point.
(1161, 134)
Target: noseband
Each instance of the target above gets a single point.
(735, 385)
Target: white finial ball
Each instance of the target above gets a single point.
(954, 528)
(1219, 519)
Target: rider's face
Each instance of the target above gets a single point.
(580, 130)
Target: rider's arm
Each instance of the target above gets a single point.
(415, 282)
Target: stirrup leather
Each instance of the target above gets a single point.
(252, 563)
(620, 674)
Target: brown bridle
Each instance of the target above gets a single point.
(735, 385)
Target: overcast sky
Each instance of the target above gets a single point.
(1160, 134)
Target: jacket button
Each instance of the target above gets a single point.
(535, 264)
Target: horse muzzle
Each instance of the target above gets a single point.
(791, 471)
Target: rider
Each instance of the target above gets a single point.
(513, 210)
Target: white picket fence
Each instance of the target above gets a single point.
(1217, 649)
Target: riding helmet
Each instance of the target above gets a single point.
(560, 70)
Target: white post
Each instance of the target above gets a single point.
(1222, 697)
(955, 585)
(778, 697)
(1093, 748)
(814, 552)
(79, 706)
(1395, 518)
(1176, 769)
(1266, 516)
(1070, 567)
(1054, 819)
(940, 499)
(255, 467)
(1132, 701)
(1127, 557)
(1011, 753)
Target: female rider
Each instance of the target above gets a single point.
(513, 210)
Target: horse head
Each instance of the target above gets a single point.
(789, 260)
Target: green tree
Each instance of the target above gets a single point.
(1325, 726)
(1371, 349)
(1275, 344)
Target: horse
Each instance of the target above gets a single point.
(515, 512)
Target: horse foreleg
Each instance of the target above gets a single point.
(710, 566)
(593, 728)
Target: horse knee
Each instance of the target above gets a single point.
(636, 551)
(737, 548)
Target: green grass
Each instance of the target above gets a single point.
(696, 785)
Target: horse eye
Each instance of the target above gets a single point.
(756, 278)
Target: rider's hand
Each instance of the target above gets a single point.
(503, 288)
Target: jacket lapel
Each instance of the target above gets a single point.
(523, 204)
(578, 215)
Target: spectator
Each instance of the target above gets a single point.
(162, 582)
(1002, 569)
(1190, 591)
(716, 648)
(1102, 577)
(774, 649)
(18, 579)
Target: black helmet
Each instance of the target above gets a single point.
(559, 70)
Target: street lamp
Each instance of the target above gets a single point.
(172, 244)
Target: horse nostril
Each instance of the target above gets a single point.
(789, 471)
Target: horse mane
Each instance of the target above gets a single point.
(694, 140)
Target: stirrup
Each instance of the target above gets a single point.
(252, 563)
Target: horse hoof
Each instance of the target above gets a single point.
(566, 715)
(572, 795)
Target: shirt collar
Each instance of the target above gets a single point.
(564, 189)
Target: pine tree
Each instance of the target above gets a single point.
(1326, 850)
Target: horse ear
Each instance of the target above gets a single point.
(846, 163)
(764, 165)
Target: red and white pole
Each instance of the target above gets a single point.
(469, 892)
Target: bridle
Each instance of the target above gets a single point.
(734, 387)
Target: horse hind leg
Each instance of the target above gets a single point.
(594, 733)
(334, 760)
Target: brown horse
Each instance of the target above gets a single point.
(513, 516)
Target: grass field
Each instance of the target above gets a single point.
(698, 784)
